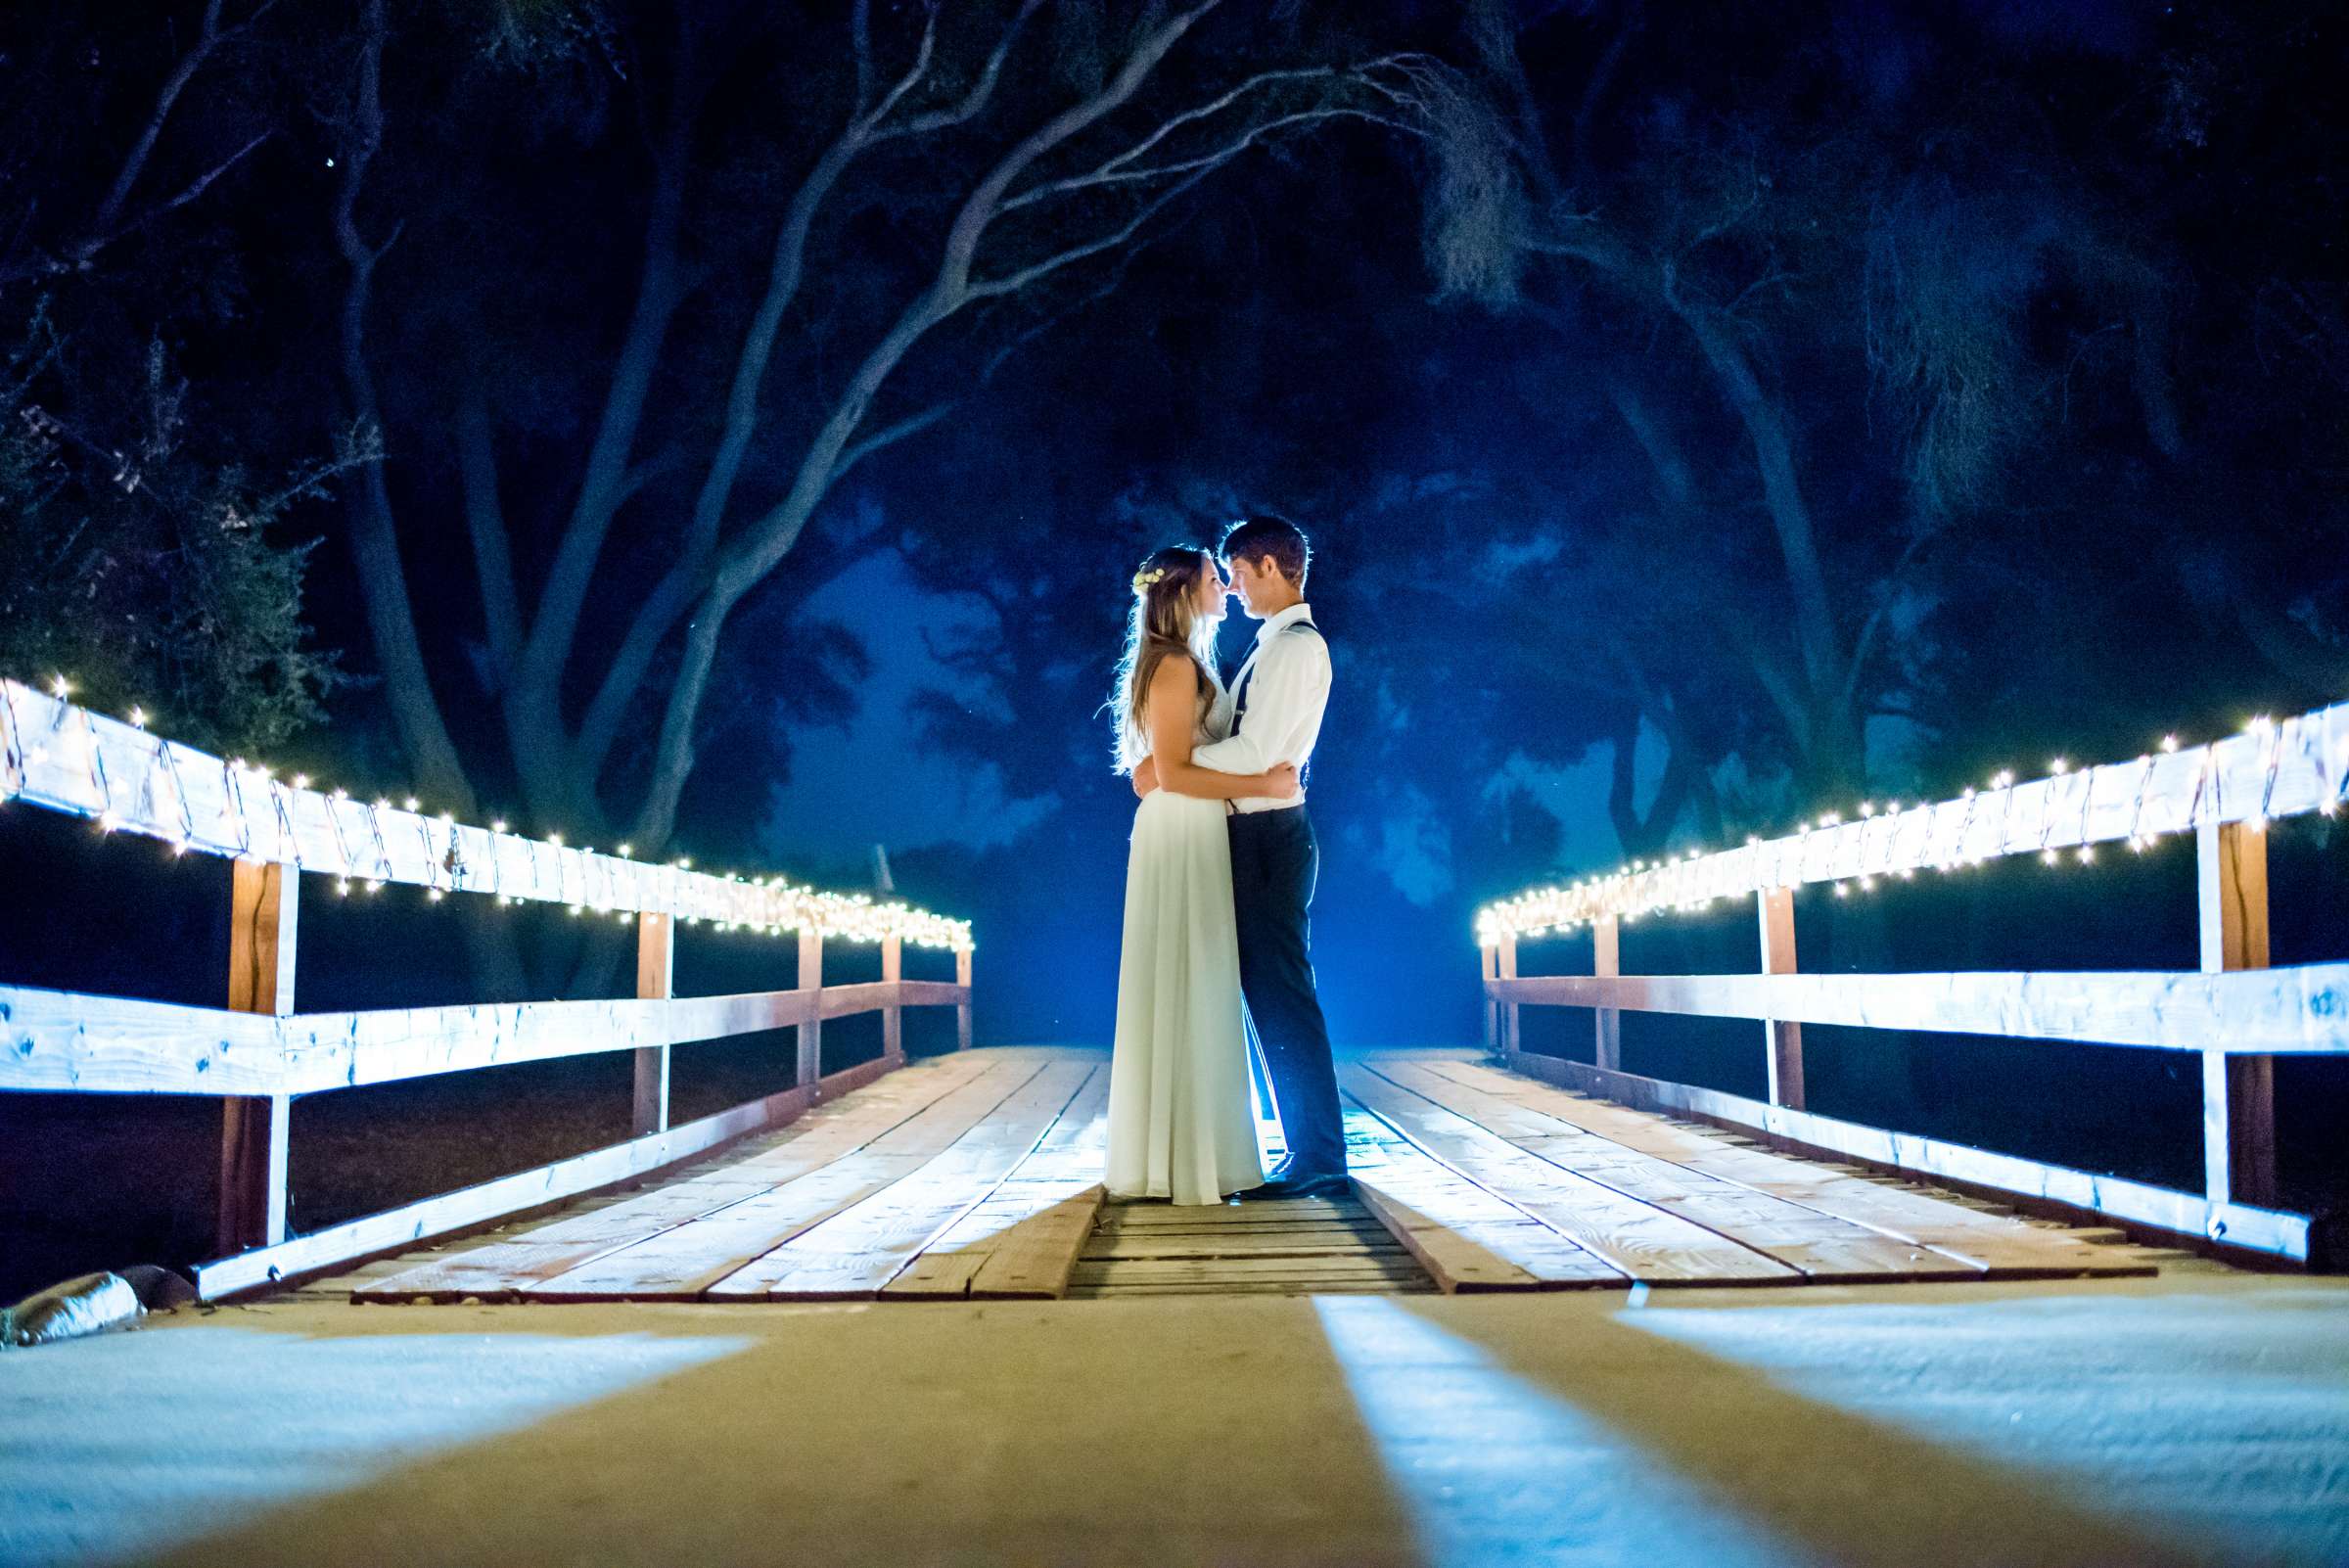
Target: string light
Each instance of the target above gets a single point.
(2058, 819)
(770, 904)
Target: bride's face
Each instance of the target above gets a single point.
(1211, 593)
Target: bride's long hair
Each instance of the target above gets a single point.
(1165, 623)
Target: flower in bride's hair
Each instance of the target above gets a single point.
(1143, 579)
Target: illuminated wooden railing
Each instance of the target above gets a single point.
(258, 1053)
(2237, 1014)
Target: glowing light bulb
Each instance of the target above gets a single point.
(626, 850)
(2059, 767)
(498, 827)
(138, 717)
(60, 687)
(2169, 743)
(555, 839)
(409, 805)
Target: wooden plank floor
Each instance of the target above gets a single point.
(1292, 1247)
(977, 1175)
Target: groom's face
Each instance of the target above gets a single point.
(1258, 582)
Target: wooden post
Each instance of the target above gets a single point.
(811, 1032)
(656, 963)
(2238, 1093)
(1782, 1041)
(1489, 968)
(264, 900)
(1505, 962)
(962, 1013)
(893, 1017)
(1606, 962)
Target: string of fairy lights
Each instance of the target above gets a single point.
(2069, 810)
(54, 754)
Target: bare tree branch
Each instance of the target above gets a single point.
(983, 89)
(187, 193)
(375, 543)
(905, 83)
(102, 222)
(484, 516)
(658, 615)
(534, 714)
(890, 435)
(861, 42)
(108, 222)
(1117, 168)
(1013, 282)
(1254, 133)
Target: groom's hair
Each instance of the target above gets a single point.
(1264, 533)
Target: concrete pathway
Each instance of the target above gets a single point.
(2202, 1416)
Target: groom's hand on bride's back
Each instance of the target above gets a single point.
(1280, 782)
(1145, 776)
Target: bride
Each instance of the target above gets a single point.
(1181, 1122)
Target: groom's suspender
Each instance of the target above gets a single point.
(1239, 711)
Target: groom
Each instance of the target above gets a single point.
(1278, 700)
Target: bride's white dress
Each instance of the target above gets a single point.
(1181, 1118)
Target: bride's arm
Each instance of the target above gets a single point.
(1168, 707)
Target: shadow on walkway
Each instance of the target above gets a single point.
(1362, 1432)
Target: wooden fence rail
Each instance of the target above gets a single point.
(257, 1053)
(2234, 1012)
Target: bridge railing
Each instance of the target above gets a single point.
(257, 1053)
(2236, 1013)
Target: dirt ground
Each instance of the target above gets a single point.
(2200, 1417)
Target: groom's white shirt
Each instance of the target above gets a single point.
(1287, 682)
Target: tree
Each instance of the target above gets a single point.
(1818, 269)
(966, 169)
(139, 543)
(110, 197)
(145, 567)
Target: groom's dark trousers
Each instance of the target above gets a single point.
(1274, 862)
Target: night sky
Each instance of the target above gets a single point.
(2040, 313)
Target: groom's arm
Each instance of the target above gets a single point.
(1285, 700)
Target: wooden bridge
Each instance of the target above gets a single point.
(978, 1175)
(1572, 1190)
